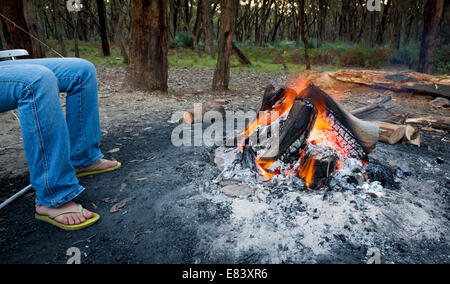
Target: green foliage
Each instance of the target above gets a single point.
(182, 39)
(284, 57)
(284, 44)
(442, 59)
(407, 55)
(358, 56)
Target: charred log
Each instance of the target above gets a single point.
(248, 158)
(297, 126)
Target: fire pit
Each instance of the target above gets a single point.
(301, 132)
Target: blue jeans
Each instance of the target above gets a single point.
(54, 145)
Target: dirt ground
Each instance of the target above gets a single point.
(174, 213)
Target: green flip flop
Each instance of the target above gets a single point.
(94, 171)
(85, 224)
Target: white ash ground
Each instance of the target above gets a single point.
(280, 222)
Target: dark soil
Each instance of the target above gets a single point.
(177, 214)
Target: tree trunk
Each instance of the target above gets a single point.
(102, 22)
(434, 10)
(123, 50)
(395, 25)
(322, 21)
(75, 34)
(116, 11)
(303, 33)
(58, 28)
(222, 73)
(382, 26)
(148, 67)
(174, 6)
(22, 13)
(197, 31)
(208, 28)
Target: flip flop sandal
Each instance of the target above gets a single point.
(94, 171)
(85, 224)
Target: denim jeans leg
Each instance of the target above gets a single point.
(78, 78)
(34, 91)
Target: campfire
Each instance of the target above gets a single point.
(303, 132)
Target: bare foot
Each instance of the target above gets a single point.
(108, 164)
(69, 218)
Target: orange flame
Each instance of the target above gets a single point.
(263, 168)
(265, 118)
(307, 171)
(322, 132)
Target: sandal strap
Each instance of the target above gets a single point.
(102, 162)
(80, 210)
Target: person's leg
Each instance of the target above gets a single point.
(78, 78)
(34, 91)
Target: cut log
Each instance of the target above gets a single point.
(412, 135)
(397, 81)
(190, 116)
(390, 133)
(410, 131)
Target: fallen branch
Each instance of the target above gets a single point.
(360, 112)
(240, 55)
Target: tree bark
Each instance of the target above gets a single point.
(102, 22)
(148, 67)
(434, 9)
(222, 73)
(22, 13)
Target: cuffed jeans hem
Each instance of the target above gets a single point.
(88, 163)
(78, 189)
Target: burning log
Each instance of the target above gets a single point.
(297, 126)
(354, 131)
(317, 163)
(190, 116)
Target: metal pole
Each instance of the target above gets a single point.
(15, 196)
